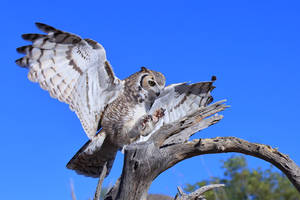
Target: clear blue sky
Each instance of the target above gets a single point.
(253, 47)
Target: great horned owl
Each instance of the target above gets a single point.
(113, 112)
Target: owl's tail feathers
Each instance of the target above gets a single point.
(90, 159)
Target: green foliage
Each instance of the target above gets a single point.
(242, 183)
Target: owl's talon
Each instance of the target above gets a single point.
(159, 113)
(147, 118)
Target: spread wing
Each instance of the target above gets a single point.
(180, 100)
(73, 70)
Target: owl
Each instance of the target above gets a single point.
(113, 112)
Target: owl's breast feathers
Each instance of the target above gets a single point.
(121, 116)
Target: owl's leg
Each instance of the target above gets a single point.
(146, 124)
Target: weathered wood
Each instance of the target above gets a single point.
(233, 144)
(197, 194)
(143, 162)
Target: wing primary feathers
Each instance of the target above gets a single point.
(45, 28)
(59, 61)
(59, 36)
(32, 36)
(23, 49)
(22, 62)
(65, 38)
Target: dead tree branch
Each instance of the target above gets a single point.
(143, 162)
(99, 185)
(197, 194)
(72, 190)
(233, 144)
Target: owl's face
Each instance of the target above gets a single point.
(152, 82)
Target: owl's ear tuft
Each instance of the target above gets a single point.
(144, 69)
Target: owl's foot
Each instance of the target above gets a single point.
(158, 114)
(153, 119)
(149, 121)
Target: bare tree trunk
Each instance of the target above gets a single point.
(143, 162)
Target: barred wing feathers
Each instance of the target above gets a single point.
(73, 70)
(180, 100)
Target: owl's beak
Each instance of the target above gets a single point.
(157, 93)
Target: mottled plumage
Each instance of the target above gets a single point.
(75, 71)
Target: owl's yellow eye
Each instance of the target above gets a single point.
(151, 83)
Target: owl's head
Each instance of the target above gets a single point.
(151, 81)
(145, 85)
